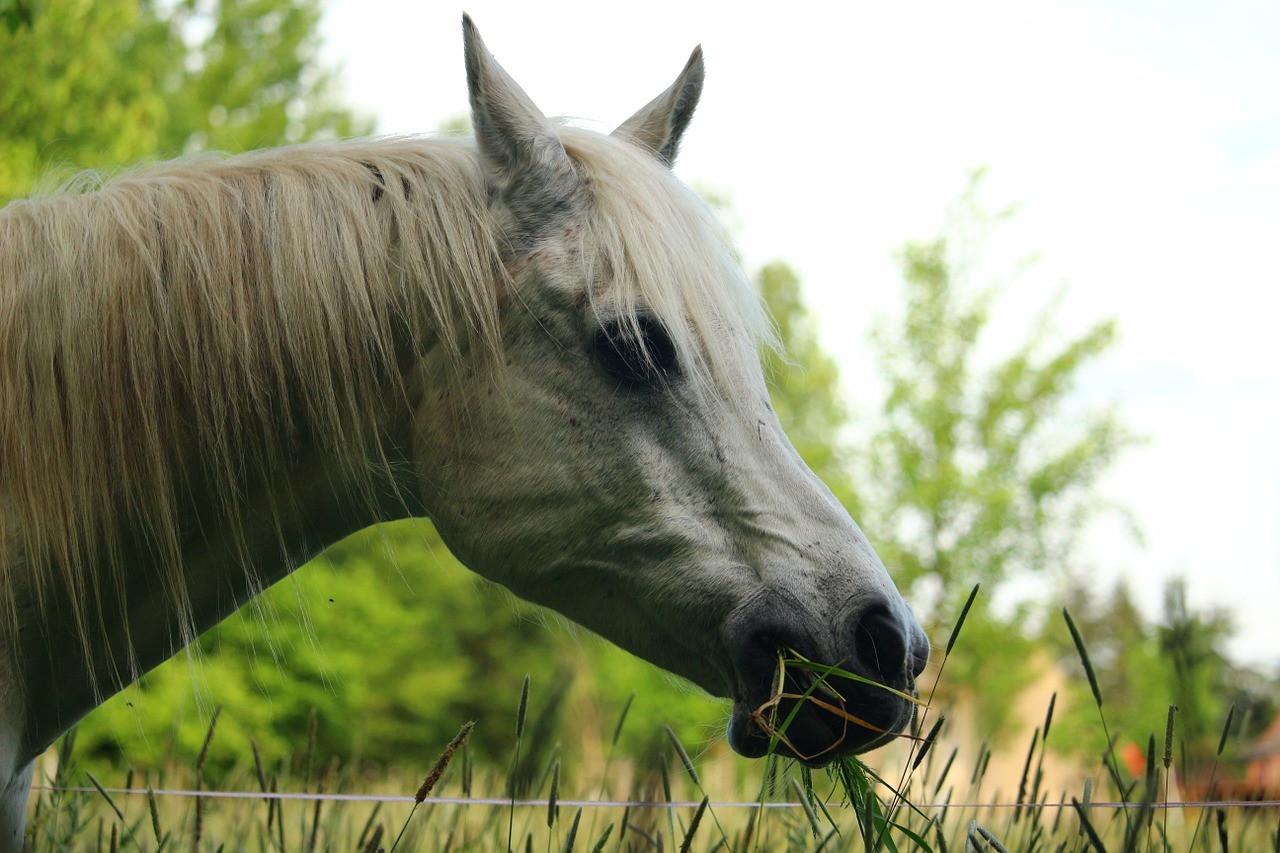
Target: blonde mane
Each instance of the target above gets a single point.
(180, 330)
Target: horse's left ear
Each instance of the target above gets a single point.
(660, 124)
(525, 163)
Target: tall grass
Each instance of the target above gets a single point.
(931, 804)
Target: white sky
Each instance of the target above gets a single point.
(1140, 139)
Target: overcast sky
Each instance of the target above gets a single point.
(1140, 139)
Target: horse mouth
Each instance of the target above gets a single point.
(816, 695)
(818, 714)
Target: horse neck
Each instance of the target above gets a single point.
(225, 563)
(224, 566)
(67, 654)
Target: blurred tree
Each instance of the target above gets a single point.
(103, 83)
(16, 14)
(973, 473)
(251, 77)
(1143, 668)
(392, 644)
(804, 383)
(1192, 645)
(977, 474)
(1125, 654)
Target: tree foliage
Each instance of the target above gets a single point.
(16, 14)
(1131, 673)
(392, 645)
(977, 469)
(1191, 645)
(804, 383)
(1143, 667)
(98, 84)
(978, 473)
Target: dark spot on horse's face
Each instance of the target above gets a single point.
(638, 353)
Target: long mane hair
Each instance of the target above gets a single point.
(178, 332)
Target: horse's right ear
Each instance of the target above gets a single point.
(659, 125)
(525, 163)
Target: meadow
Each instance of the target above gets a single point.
(920, 798)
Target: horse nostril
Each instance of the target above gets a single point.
(880, 644)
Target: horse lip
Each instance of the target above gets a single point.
(750, 740)
(759, 633)
(748, 737)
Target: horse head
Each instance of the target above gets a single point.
(624, 465)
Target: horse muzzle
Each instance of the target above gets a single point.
(818, 689)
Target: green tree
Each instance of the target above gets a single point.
(16, 14)
(976, 472)
(1191, 644)
(252, 80)
(804, 383)
(391, 644)
(1143, 668)
(1131, 672)
(104, 83)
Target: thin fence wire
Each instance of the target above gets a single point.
(618, 804)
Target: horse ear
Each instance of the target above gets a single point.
(524, 160)
(660, 124)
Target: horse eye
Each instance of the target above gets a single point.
(639, 354)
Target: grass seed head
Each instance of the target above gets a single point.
(1087, 825)
(622, 718)
(1226, 728)
(523, 709)
(208, 739)
(442, 762)
(553, 810)
(604, 839)
(928, 743)
(964, 613)
(1168, 736)
(686, 845)
(1084, 657)
(1048, 716)
(684, 756)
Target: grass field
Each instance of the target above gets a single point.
(710, 802)
(87, 819)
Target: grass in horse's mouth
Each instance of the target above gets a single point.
(798, 682)
(801, 681)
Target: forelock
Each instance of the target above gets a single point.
(653, 246)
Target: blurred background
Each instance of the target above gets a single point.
(1024, 263)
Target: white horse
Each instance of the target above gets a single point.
(212, 369)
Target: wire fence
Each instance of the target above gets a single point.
(619, 804)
